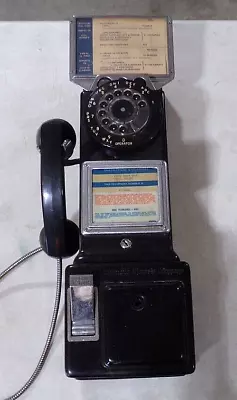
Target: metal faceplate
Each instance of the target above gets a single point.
(112, 47)
(124, 197)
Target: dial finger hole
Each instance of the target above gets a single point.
(105, 121)
(122, 129)
(127, 92)
(118, 92)
(109, 97)
(102, 113)
(113, 127)
(103, 81)
(103, 104)
(136, 96)
(142, 104)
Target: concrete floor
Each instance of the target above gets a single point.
(64, 9)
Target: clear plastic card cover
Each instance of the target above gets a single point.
(124, 197)
(121, 46)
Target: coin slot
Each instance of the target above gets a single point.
(140, 82)
(123, 81)
(103, 81)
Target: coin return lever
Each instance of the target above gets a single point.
(82, 306)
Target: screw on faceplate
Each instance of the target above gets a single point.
(126, 244)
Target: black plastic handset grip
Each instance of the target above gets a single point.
(56, 140)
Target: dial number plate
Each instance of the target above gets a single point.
(119, 112)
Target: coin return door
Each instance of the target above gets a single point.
(82, 307)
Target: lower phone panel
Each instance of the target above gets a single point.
(142, 315)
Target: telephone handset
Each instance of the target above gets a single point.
(56, 140)
(59, 238)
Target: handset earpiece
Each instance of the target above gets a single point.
(56, 140)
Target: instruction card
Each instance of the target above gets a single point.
(120, 46)
(125, 195)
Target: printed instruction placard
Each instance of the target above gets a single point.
(120, 46)
(125, 195)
